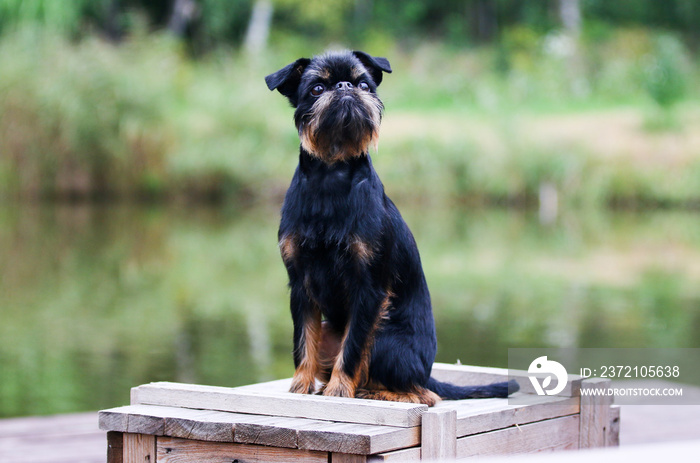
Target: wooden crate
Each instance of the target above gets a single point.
(182, 423)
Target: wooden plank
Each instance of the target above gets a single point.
(139, 448)
(115, 447)
(361, 411)
(137, 421)
(278, 385)
(595, 412)
(613, 437)
(468, 375)
(357, 438)
(200, 425)
(264, 430)
(482, 415)
(175, 450)
(347, 458)
(439, 435)
(271, 430)
(548, 435)
(399, 456)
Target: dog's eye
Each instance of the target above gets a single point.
(317, 90)
(363, 86)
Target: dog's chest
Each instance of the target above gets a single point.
(328, 207)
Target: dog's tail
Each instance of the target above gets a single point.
(454, 392)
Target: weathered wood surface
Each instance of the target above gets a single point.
(272, 403)
(475, 416)
(612, 438)
(139, 448)
(543, 436)
(115, 447)
(176, 450)
(439, 434)
(347, 458)
(595, 414)
(468, 375)
(549, 435)
(258, 429)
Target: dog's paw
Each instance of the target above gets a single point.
(339, 387)
(303, 385)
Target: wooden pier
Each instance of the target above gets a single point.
(170, 422)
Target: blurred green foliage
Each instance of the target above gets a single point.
(142, 120)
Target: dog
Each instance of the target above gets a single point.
(363, 322)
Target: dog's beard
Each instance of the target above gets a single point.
(341, 125)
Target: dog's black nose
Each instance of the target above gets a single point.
(343, 86)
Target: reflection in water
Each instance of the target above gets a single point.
(97, 299)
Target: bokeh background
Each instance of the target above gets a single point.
(545, 153)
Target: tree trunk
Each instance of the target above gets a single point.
(184, 12)
(258, 27)
(570, 14)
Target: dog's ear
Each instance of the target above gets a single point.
(287, 79)
(375, 66)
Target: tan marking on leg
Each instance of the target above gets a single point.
(340, 384)
(343, 385)
(304, 380)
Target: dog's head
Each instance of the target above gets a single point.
(337, 109)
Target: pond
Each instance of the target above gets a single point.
(95, 299)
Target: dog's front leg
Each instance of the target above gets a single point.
(307, 338)
(351, 367)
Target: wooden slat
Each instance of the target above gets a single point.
(137, 421)
(613, 437)
(202, 425)
(468, 375)
(265, 430)
(115, 447)
(595, 413)
(175, 450)
(399, 456)
(278, 385)
(357, 438)
(439, 435)
(548, 435)
(280, 404)
(347, 458)
(139, 448)
(481, 415)
(271, 430)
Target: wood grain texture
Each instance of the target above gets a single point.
(264, 430)
(347, 458)
(357, 439)
(439, 434)
(115, 447)
(595, 413)
(543, 436)
(476, 416)
(360, 411)
(399, 456)
(175, 450)
(613, 436)
(139, 448)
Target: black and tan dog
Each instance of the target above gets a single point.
(363, 322)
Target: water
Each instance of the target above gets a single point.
(97, 299)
